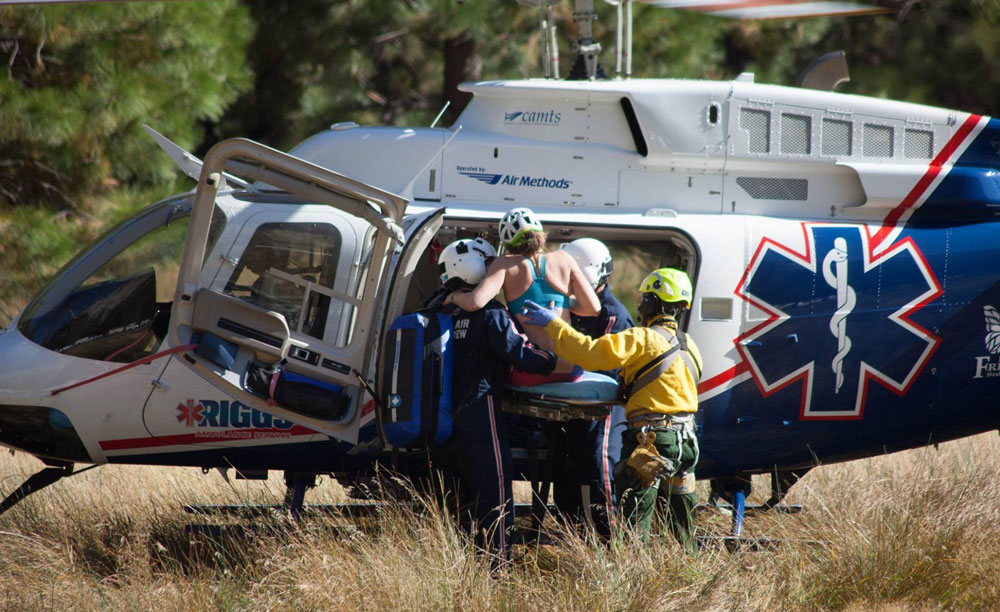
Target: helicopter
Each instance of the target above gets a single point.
(836, 244)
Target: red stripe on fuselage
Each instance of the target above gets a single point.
(925, 181)
(723, 378)
(203, 437)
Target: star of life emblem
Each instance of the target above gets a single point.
(835, 317)
(835, 275)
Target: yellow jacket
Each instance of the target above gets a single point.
(675, 391)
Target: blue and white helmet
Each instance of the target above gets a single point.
(465, 260)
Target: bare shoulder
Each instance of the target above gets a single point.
(508, 262)
(561, 258)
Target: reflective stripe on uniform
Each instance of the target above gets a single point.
(502, 532)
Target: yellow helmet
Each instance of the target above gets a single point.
(668, 284)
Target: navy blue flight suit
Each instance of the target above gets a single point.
(478, 456)
(586, 489)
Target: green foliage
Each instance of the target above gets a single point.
(942, 53)
(379, 62)
(81, 81)
(35, 241)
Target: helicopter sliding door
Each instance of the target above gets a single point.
(283, 327)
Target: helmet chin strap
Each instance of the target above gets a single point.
(651, 307)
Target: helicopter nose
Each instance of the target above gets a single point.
(41, 431)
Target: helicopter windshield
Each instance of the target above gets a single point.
(112, 302)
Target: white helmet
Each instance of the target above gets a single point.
(593, 258)
(516, 223)
(465, 260)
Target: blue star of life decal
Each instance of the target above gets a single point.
(486, 177)
(836, 318)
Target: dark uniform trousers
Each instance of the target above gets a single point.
(584, 487)
(476, 460)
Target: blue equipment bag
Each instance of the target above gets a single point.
(416, 375)
(305, 395)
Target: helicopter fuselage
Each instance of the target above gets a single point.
(840, 248)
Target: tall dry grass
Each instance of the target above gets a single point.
(910, 531)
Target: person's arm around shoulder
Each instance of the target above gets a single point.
(609, 352)
(486, 290)
(512, 347)
(583, 301)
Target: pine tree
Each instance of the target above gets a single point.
(377, 62)
(82, 79)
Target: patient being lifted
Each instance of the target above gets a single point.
(526, 272)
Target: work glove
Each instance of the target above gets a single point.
(537, 315)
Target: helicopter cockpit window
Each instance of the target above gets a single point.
(290, 268)
(112, 303)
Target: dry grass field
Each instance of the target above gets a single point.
(910, 531)
(918, 530)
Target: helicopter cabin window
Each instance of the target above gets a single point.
(796, 134)
(113, 302)
(289, 268)
(757, 124)
(876, 140)
(836, 137)
(918, 144)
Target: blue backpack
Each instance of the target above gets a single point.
(416, 373)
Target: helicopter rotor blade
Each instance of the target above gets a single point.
(188, 163)
(769, 9)
(3, 2)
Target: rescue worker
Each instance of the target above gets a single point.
(585, 490)
(476, 460)
(525, 272)
(660, 368)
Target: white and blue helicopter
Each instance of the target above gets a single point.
(840, 247)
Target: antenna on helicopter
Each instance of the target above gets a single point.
(623, 49)
(547, 28)
(618, 35)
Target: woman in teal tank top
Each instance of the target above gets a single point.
(526, 272)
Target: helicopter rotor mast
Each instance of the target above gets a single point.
(586, 49)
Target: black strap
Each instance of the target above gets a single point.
(682, 339)
(649, 366)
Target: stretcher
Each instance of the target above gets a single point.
(590, 397)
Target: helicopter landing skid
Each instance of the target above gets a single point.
(56, 471)
(345, 510)
(734, 490)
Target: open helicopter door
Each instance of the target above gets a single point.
(315, 321)
(420, 233)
